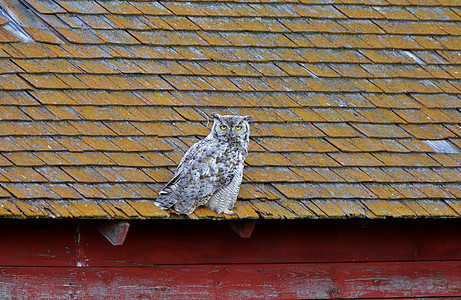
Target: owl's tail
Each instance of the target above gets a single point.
(168, 196)
(175, 198)
(166, 199)
(173, 195)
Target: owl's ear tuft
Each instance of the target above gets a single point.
(248, 118)
(215, 115)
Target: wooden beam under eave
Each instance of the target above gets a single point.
(114, 231)
(244, 228)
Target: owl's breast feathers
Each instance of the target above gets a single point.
(208, 166)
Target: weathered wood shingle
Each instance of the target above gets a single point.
(357, 106)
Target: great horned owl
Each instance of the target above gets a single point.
(211, 171)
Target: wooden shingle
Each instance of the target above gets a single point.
(355, 106)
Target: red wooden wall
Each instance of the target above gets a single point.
(207, 260)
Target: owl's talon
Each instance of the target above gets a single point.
(229, 212)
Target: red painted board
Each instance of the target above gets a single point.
(216, 243)
(239, 281)
(275, 244)
(38, 247)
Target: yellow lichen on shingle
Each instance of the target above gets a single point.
(355, 106)
(384, 208)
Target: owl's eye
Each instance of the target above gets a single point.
(238, 127)
(223, 127)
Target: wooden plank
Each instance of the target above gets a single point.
(272, 210)
(298, 208)
(354, 208)
(88, 209)
(124, 208)
(455, 205)
(438, 208)
(3, 211)
(114, 232)
(236, 281)
(59, 208)
(12, 209)
(32, 209)
(244, 229)
(330, 208)
(205, 213)
(245, 210)
(115, 209)
(147, 209)
(314, 208)
(267, 209)
(416, 208)
(387, 208)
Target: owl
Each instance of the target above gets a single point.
(211, 171)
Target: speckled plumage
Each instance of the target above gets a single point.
(211, 171)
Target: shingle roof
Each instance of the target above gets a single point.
(357, 104)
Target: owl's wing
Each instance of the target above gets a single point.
(202, 171)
